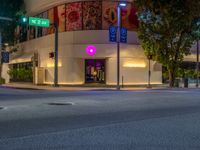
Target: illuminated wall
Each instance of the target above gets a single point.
(87, 22)
(84, 15)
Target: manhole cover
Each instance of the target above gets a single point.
(1, 107)
(60, 104)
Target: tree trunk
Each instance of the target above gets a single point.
(172, 77)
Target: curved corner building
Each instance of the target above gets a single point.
(83, 23)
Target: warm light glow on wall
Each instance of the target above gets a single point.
(66, 83)
(134, 64)
(51, 65)
(134, 83)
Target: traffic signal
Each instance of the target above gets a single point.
(23, 20)
(51, 55)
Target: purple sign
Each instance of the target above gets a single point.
(91, 50)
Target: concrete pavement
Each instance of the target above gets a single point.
(100, 120)
(30, 86)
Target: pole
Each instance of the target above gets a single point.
(56, 55)
(0, 54)
(118, 47)
(149, 73)
(197, 65)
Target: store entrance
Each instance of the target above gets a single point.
(95, 71)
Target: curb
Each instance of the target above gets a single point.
(20, 88)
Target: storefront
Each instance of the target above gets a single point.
(84, 23)
(95, 71)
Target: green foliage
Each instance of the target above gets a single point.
(190, 73)
(168, 29)
(182, 73)
(21, 74)
(2, 81)
(12, 9)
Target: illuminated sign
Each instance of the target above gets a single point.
(91, 50)
(112, 34)
(40, 22)
(123, 35)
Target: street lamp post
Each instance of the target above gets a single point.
(118, 46)
(197, 65)
(149, 72)
(0, 53)
(56, 55)
(120, 5)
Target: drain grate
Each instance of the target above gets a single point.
(60, 104)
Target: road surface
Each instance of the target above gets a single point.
(100, 120)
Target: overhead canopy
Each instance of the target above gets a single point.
(22, 59)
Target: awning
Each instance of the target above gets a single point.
(22, 59)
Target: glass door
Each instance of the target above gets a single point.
(95, 71)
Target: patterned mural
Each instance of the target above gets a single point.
(74, 16)
(45, 30)
(51, 18)
(61, 17)
(129, 18)
(92, 13)
(109, 14)
(87, 15)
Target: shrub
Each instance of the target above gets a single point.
(2, 81)
(21, 74)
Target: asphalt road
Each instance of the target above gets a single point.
(100, 120)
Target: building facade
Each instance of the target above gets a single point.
(81, 24)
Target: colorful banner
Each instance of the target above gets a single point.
(92, 15)
(45, 30)
(129, 17)
(74, 16)
(109, 14)
(61, 17)
(87, 15)
(51, 18)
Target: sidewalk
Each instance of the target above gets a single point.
(29, 86)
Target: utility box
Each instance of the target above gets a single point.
(39, 76)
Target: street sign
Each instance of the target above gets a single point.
(123, 35)
(40, 22)
(52, 55)
(112, 34)
(5, 57)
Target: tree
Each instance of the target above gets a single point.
(11, 9)
(166, 30)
